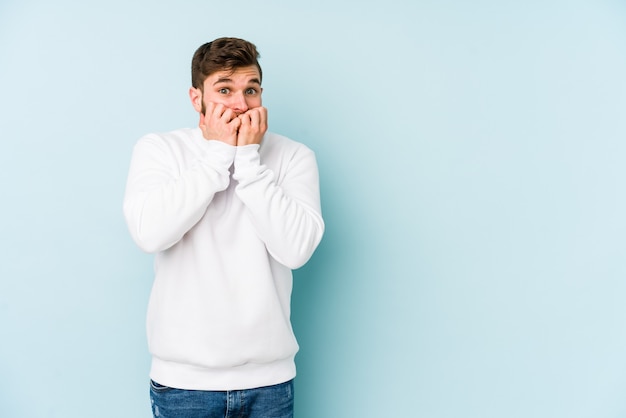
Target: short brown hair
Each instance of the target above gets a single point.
(222, 54)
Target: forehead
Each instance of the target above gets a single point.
(238, 75)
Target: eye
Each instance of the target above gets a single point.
(223, 91)
(251, 91)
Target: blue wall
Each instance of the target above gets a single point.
(472, 160)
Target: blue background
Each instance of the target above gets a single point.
(472, 159)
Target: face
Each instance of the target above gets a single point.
(238, 90)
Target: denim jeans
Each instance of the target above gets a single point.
(266, 402)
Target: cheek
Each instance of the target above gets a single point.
(213, 98)
(254, 102)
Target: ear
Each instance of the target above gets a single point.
(196, 98)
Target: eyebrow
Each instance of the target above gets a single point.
(228, 80)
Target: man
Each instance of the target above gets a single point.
(229, 209)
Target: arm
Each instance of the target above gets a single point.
(287, 216)
(163, 202)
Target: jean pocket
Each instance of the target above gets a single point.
(157, 387)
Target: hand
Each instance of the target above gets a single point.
(219, 123)
(253, 126)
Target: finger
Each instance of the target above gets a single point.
(210, 109)
(219, 112)
(263, 117)
(254, 118)
(245, 119)
(236, 123)
(259, 118)
(228, 115)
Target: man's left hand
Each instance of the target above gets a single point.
(253, 126)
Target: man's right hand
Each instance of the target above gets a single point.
(219, 123)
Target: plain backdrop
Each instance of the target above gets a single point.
(472, 159)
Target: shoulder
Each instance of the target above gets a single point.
(172, 144)
(178, 137)
(274, 143)
(173, 148)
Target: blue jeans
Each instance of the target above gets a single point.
(266, 402)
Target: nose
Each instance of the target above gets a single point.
(239, 103)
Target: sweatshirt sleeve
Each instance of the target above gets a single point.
(287, 216)
(163, 202)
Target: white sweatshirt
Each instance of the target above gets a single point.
(228, 224)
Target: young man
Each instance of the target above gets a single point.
(229, 209)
